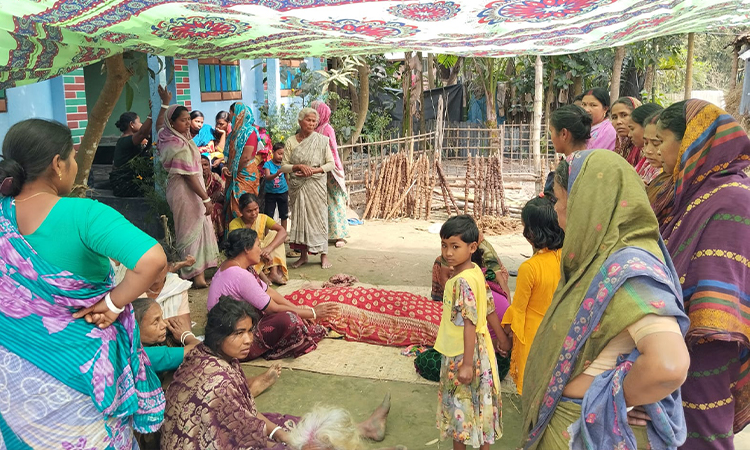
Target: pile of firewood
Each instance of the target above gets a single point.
(400, 187)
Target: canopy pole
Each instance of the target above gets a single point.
(536, 122)
(689, 68)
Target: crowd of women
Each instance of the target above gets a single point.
(628, 331)
(211, 169)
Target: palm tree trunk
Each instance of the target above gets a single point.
(614, 92)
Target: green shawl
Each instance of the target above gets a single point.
(607, 210)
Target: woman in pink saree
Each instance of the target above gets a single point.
(338, 227)
(186, 194)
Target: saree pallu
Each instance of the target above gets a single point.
(65, 381)
(660, 193)
(308, 196)
(278, 255)
(646, 170)
(210, 407)
(603, 136)
(215, 190)
(284, 335)
(377, 316)
(707, 237)
(338, 225)
(242, 179)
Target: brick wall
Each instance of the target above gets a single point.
(182, 82)
(75, 104)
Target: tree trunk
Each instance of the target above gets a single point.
(550, 97)
(117, 76)
(536, 124)
(420, 84)
(406, 79)
(735, 66)
(648, 85)
(689, 68)
(614, 92)
(455, 70)
(431, 71)
(364, 99)
(577, 86)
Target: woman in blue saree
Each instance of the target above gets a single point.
(73, 371)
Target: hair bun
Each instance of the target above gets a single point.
(11, 170)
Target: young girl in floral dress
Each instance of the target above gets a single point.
(469, 404)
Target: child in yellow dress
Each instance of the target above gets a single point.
(469, 403)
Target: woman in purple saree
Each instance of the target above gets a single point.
(73, 370)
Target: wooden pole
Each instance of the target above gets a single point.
(689, 68)
(466, 188)
(735, 65)
(536, 124)
(614, 92)
(430, 71)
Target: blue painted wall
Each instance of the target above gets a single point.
(43, 100)
(249, 92)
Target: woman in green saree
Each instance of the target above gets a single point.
(613, 335)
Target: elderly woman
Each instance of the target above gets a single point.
(338, 227)
(308, 159)
(69, 343)
(209, 403)
(706, 151)
(186, 194)
(613, 334)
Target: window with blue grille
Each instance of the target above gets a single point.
(3, 101)
(219, 80)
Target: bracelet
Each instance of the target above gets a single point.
(315, 315)
(184, 335)
(207, 200)
(148, 117)
(270, 436)
(164, 106)
(110, 305)
(629, 408)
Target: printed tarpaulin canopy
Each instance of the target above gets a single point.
(43, 38)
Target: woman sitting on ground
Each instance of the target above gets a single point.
(284, 330)
(620, 117)
(208, 139)
(649, 167)
(660, 190)
(603, 134)
(272, 267)
(569, 130)
(209, 404)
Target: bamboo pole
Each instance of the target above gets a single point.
(689, 68)
(441, 177)
(536, 124)
(466, 187)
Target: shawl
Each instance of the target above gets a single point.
(660, 193)
(711, 204)
(325, 128)
(243, 126)
(603, 135)
(177, 152)
(210, 406)
(646, 170)
(37, 301)
(613, 267)
(205, 135)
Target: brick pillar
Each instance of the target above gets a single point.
(182, 82)
(75, 104)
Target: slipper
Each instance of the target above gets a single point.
(293, 254)
(340, 243)
(354, 222)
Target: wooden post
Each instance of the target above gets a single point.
(431, 71)
(536, 123)
(735, 65)
(689, 68)
(614, 91)
(439, 130)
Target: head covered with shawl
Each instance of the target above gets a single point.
(177, 151)
(324, 127)
(711, 205)
(612, 249)
(625, 146)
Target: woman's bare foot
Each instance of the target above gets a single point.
(324, 263)
(265, 380)
(340, 243)
(276, 276)
(300, 262)
(374, 427)
(199, 282)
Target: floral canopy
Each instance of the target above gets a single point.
(40, 39)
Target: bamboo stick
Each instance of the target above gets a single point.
(466, 187)
(441, 176)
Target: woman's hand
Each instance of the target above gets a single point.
(265, 255)
(326, 310)
(164, 94)
(638, 416)
(98, 314)
(504, 346)
(178, 325)
(225, 171)
(189, 261)
(465, 373)
(209, 207)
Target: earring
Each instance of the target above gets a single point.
(59, 174)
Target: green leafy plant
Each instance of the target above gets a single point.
(152, 181)
(281, 122)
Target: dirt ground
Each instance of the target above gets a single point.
(394, 253)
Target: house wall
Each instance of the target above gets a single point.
(250, 95)
(42, 100)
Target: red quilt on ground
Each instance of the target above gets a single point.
(377, 316)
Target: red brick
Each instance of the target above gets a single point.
(180, 91)
(82, 109)
(70, 94)
(78, 116)
(75, 87)
(182, 85)
(188, 105)
(72, 125)
(80, 79)
(75, 146)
